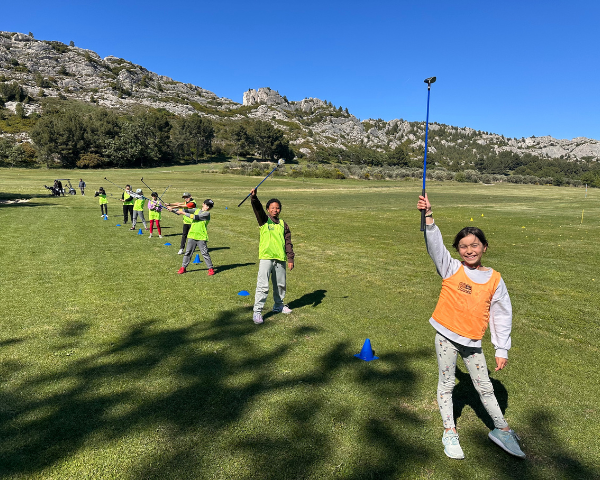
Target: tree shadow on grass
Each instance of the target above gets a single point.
(548, 456)
(188, 392)
(214, 399)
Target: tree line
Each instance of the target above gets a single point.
(74, 134)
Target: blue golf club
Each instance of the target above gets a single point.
(428, 81)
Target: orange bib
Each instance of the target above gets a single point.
(464, 306)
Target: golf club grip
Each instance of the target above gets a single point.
(423, 215)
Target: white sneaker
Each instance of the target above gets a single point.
(180, 252)
(160, 236)
(285, 309)
(257, 318)
(452, 446)
(150, 236)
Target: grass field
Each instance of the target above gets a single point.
(113, 366)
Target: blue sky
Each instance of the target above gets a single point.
(513, 68)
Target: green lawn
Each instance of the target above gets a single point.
(114, 366)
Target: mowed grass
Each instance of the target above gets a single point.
(113, 366)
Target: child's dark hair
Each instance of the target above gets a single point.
(465, 232)
(274, 200)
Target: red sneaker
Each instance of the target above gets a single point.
(211, 271)
(181, 270)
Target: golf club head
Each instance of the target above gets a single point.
(429, 80)
(281, 161)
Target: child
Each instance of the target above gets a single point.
(472, 296)
(138, 209)
(188, 202)
(154, 209)
(274, 249)
(103, 202)
(127, 200)
(198, 234)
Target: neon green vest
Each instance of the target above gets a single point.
(154, 215)
(102, 200)
(187, 219)
(198, 229)
(272, 241)
(139, 204)
(127, 202)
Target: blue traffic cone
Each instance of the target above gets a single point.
(366, 353)
(105, 217)
(197, 259)
(140, 232)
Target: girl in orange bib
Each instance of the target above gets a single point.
(472, 297)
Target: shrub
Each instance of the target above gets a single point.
(91, 160)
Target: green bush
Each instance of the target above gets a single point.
(91, 160)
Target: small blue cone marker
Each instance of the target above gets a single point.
(167, 244)
(225, 208)
(140, 232)
(366, 353)
(197, 259)
(105, 217)
(243, 293)
(118, 225)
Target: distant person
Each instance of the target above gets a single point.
(82, 186)
(154, 213)
(138, 209)
(60, 187)
(188, 203)
(274, 250)
(127, 200)
(198, 234)
(472, 297)
(103, 201)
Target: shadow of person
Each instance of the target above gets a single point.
(222, 268)
(465, 394)
(315, 298)
(217, 248)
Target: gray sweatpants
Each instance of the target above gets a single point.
(191, 246)
(274, 270)
(138, 214)
(447, 352)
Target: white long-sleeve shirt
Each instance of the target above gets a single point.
(500, 308)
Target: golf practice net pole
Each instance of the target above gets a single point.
(428, 81)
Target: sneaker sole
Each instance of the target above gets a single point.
(503, 447)
(453, 457)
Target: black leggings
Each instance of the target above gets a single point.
(127, 209)
(104, 208)
(186, 229)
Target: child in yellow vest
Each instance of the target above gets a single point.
(187, 223)
(472, 297)
(154, 213)
(138, 209)
(101, 194)
(197, 235)
(275, 249)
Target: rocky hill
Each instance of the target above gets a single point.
(52, 69)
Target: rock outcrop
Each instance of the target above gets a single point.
(53, 69)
